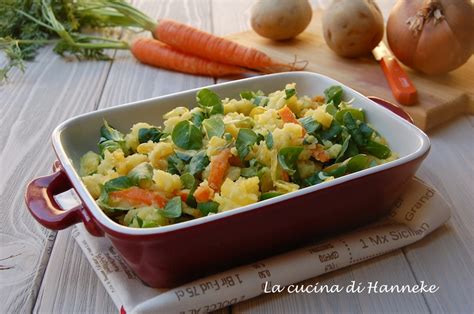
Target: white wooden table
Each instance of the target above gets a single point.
(45, 271)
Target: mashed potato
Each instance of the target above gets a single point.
(228, 153)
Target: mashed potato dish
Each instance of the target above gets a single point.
(227, 153)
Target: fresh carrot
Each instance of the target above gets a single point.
(218, 168)
(151, 51)
(138, 196)
(320, 154)
(205, 45)
(203, 194)
(193, 41)
(289, 117)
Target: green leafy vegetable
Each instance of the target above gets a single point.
(228, 137)
(185, 155)
(197, 118)
(118, 184)
(335, 170)
(150, 224)
(313, 179)
(344, 147)
(109, 145)
(357, 114)
(214, 126)
(357, 163)
(173, 208)
(268, 195)
(261, 101)
(287, 158)
(142, 175)
(366, 130)
(249, 95)
(210, 101)
(376, 149)
(334, 94)
(248, 172)
(246, 138)
(290, 92)
(189, 182)
(151, 134)
(334, 130)
(111, 139)
(175, 164)
(138, 220)
(373, 163)
(208, 207)
(269, 140)
(109, 133)
(103, 203)
(353, 129)
(198, 163)
(331, 109)
(187, 136)
(351, 150)
(255, 169)
(309, 124)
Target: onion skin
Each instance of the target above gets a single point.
(442, 44)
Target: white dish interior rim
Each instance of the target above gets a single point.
(98, 214)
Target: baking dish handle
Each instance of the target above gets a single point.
(393, 108)
(42, 206)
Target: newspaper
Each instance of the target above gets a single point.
(416, 214)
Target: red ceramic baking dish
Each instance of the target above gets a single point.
(170, 255)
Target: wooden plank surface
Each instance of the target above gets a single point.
(32, 105)
(53, 90)
(447, 257)
(70, 285)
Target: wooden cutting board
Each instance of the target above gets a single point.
(441, 98)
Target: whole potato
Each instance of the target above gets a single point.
(352, 28)
(280, 19)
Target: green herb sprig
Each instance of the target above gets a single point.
(27, 25)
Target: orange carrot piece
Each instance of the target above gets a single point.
(203, 194)
(159, 200)
(320, 154)
(138, 196)
(205, 45)
(289, 117)
(183, 194)
(218, 168)
(152, 52)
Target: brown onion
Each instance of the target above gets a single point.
(432, 36)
